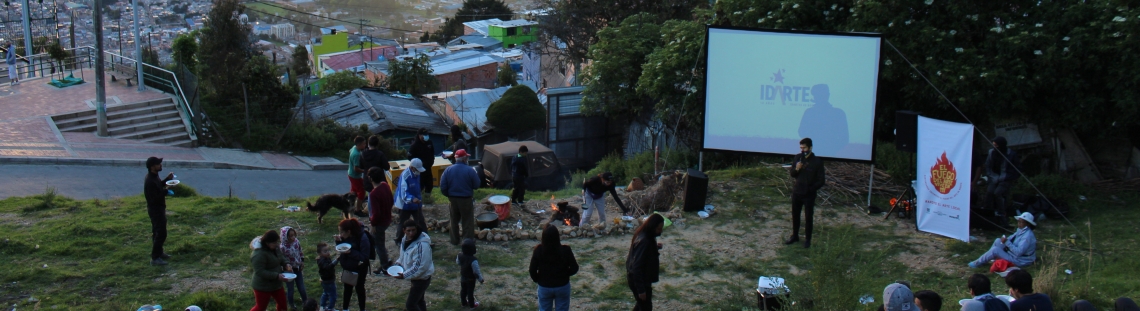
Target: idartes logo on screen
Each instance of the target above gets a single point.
(780, 92)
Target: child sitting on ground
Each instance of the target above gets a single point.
(327, 269)
(468, 273)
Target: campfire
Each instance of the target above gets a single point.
(565, 214)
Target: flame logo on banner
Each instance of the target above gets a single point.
(943, 175)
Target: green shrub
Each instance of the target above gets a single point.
(899, 164)
(183, 191)
(1052, 186)
(326, 135)
(641, 164)
(50, 200)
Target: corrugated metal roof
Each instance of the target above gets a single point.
(471, 105)
(380, 111)
(514, 23)
(342, 61)
(481, 26)
(486, 42)
(462, 60)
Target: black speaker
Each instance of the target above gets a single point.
(696, 189)
(906, 130)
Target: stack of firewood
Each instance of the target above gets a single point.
(849, 181)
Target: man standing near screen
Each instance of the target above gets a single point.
(808, 171)
(825, 122)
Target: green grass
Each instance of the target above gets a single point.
(93, 254)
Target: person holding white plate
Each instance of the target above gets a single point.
(415, 259)
(154, 190)
(268, 280)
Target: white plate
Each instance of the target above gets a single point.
(173, 182)
(395, 270)
(703, 214)
(289, 276)
(447, 153)
(709, 208)
(962, 302)
(343, 247)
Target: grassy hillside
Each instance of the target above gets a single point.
(93, 255)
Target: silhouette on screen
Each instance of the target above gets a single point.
(825, 124)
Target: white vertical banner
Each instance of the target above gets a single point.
(943, 192)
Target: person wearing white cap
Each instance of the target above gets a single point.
(409, 198)
(1019, 248)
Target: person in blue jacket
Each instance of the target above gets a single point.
(1019, 248)
(458, 182)
(409, 198)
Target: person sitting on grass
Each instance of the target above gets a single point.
(1019, 248)
(898, 297)
(979, 286)
(928, 300)
(1021, 289)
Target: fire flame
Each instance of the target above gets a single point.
(943, 175)
(567, 221)
(552, 205)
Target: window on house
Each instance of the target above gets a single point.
(512, 31)
(569, 105)
(526, 30)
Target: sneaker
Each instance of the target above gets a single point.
(792, 240)
(476, 305)
(379, 272)
(164, 256)
(973, 265)
(158, 262)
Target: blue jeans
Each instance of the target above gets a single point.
(554, 298)
(328, 298)
(300, 284)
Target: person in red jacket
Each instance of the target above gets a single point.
(380, 214)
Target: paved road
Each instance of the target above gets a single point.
(104, 182)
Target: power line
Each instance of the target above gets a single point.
(328, 18)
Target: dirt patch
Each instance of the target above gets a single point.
(231, 280)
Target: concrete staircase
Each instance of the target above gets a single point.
(156, 121)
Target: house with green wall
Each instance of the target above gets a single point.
(331, 43)
(514, 32)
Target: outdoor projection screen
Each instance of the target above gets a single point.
(768, 89)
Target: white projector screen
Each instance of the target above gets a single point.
(768, 89)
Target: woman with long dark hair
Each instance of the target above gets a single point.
(642, 266)
(268, 263)
(356, 259)
(551, 265)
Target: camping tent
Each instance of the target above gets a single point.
(545, 172)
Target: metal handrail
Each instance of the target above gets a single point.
(35, 62)
(177, 85)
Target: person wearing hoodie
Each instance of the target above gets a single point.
(372, 157)
(468, 273)
(291, 249)
(356, 259)
(380, 214)
(1001, 174)
(268, 264)
(643, 264)
(415, 258)
(423, 150)
(408, 198)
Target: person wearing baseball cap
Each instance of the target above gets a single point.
(898, 297)
(1019, 248)
(458, 182)
(594, 193)
(409, 198)
(154, 189)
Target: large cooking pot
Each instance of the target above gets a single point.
(487, 220)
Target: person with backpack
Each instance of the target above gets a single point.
(355, 261)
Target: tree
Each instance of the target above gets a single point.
(342, 81)
(517, 111)
(412, 76)
(185, 50)
(577, 24)
(611, 79)
(672, 76)
(300, 63)
(507, 76)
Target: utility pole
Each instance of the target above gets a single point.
(246, 96)
(28, 37)
(138, 46)
(72, 28)
(362, 42)
(100, 80)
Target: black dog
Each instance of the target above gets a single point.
(330, 201)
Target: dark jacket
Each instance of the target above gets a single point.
(356, 260)
(154, 189)
(553, 272)
(519, 167)
(468, 265)
(267, 265)
(327, 269)
(424, 151)
(373, 158)
(810, 178)
(643, 264)
(459, 144)
(459, 181)
(595, 188)
(1007, 173)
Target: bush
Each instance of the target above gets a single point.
(1052, 186)
(517, 111)
(183, 191)
(641, 164)
(326, 135)
(899, 164)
